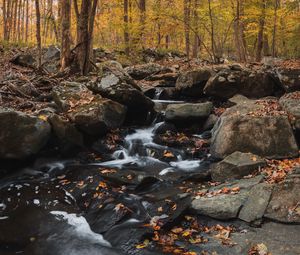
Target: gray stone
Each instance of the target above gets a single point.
(225, 206)
(235, 166)
(238, 129)
(116, 85)
(21, 135)
(257, 202)
(192, 83)
(289, 78)
(188, 111)
(221, 207)
(52, 53)
(291, 104)
(67, 134)
(284, 204)
(253, 84)
(140, 72)
(68, 92)
(98, 116)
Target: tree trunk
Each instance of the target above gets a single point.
(85, 27)
(187, 11)
(65, 57)
(197, 42)
(38, 32)
(260, 36)
(126, 27)
(212, 31)
(142, 7)
(276, 5)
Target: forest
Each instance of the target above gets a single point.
(150, 127)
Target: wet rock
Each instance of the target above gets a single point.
(140, 72)
(257, 202)
(102, 220)
(97, 117)
(187, 111)
(114, 85)
(253, 84)
(290, 79)
(235, 166)
(192, 83)
(284, 203)
(164, 127)
(21, 135)
(239, 129)
(23, 59)
(66, 133)
(210, 122)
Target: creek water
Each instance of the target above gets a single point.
(69, 207)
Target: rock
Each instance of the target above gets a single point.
(164, 127)
(23, 59)
(291, 104)
(21, 135)
(98, 116)
(187, 111)
(52, 53)
(284, 204)
(192, 83)
(290, 79)
(168, 78)
(115, 86)
(210, 122)
(66, 133)
(240, 129)
(140, 72)
(225, 206)
(253, 84)
(69, 93)
(257, 202)
(236, 166)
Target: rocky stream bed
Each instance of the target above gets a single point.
(152, 160)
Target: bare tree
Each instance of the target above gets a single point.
(85, 28)
(65, 33)
(38, 32)
(260, 36)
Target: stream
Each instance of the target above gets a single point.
(74, 207)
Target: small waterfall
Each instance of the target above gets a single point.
(140, 150)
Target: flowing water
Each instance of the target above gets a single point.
(69, 207)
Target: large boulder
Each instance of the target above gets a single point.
(290, 79)
(68, 94)
(116, 85)
(284, 202)
(24, 59)
(252, 127)
(250, 83)
(225, 201)
(140, 72)
(67, 136)
(188, 111)
(21, 135)
(235, 166)
(98, 116)
(291, 104)
(192, 83)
